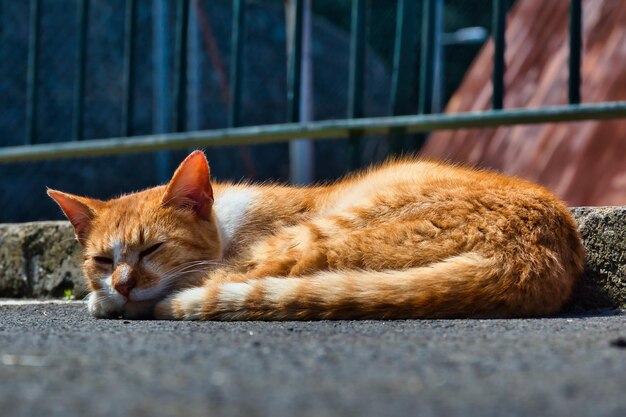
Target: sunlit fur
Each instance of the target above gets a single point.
(408, 239)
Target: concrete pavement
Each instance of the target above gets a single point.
(55, 360)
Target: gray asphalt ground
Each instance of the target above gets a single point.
(58, 361)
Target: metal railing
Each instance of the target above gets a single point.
(354, 127)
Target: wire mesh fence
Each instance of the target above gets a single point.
(22, 185)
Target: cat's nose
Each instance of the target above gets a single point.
(124, 279)
(124, 286)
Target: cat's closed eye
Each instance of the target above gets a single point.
(103, 260)
(150, 250)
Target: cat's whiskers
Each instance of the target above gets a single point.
(187, 265)
(100, 300)
(171, 278)
(179, 270)
(168, 278)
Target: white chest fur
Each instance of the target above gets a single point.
(230, 208)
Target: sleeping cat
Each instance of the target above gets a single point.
(408, 239)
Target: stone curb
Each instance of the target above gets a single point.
(603, 284)
(41, 260)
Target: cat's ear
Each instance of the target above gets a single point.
(80, 211)
(190, 187)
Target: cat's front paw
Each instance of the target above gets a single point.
(185, 305)
(103, 307)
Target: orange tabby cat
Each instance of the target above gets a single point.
(409, 239)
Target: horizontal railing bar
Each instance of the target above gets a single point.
(316, 130)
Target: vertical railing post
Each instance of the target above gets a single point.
(429, 14)
(294, 74)
(162, 99)
(236, 63)
(300, 87)
(575, 50)
(32, 75)
(81, 64)
(403, 64)
(499, 39)
(180, 70)
(430, 25)
(130, 35)
(356, 85)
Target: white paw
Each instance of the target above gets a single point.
(101, 306)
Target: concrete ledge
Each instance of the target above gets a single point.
(39, 260)
(42, 260)
(603, 283)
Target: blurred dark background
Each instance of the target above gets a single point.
(22, 186)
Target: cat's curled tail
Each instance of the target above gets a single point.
(466, 285)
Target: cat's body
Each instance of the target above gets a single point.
(410, 239)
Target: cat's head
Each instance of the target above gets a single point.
(140, 247)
